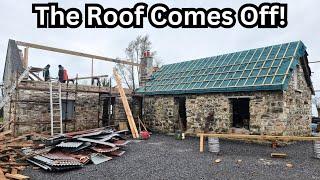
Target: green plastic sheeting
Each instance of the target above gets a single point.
(267, 68)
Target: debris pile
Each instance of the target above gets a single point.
(61, 152)
(73, 150)
(12, 160)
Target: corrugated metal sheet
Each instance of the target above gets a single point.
(57, 162)
(98, 158)
(267, 68)
(120, 142)
(58, 155)
(73, 150)
(69, 144)
(104, 149)
(117, 153)
(97, 142)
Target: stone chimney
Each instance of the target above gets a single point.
(146, 68)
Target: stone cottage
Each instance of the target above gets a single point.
(83, 106)
(265, 90)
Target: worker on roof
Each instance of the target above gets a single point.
(60, 74)
(46, 73)
(65, 75)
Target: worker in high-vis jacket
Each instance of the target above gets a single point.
(63, 74)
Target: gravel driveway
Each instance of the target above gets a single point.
(163, 157)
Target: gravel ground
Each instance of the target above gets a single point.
(163, 157)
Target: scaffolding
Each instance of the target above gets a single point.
(105, 94)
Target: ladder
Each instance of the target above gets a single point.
(13, 87)
(56, 109)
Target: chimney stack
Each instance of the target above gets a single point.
(146, 68)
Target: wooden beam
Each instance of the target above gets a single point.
(114, 93)
(6, 124)
(92, 72)
(312, 62)
(25, 57)
(201, 143)
(14, 171)
(17, 176)
(125, 103)
(88, 77)
(2, 177)
(238, 97)
(36, 69)
(74, 53)
(63, 90)
(36, 76)
(2, 134)
(278, 155)
(260, 137)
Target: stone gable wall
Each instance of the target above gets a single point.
(298, 106)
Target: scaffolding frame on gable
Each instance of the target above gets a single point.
(34, 75)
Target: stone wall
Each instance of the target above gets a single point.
(32, 111)
(271, 112)
(297, 109)
(161, 113)
(198, 108)
(119, 112)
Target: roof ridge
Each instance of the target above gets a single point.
(238, 51)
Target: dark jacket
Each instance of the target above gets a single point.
(60, 74)
(46, 73)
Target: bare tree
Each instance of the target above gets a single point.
(134, 51)
(316, 102)
(157, 62)
(124, 73)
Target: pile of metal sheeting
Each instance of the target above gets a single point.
(76, 149)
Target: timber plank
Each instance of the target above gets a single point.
(2, 176)
(255, 137)
(2, 134)
(125, 103)
(17, 176)
(260, 137)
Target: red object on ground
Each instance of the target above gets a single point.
(145, 135)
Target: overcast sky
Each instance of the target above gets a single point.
(173, 45)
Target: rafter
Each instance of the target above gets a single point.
(74, 53)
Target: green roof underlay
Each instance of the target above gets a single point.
(267, 68)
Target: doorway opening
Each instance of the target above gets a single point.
(108, 111)
(241, 113)
(182, 115)
(68, 109)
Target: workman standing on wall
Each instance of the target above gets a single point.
(46, 73)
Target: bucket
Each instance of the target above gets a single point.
(145, 135)
(213, 145)
(316, 148)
